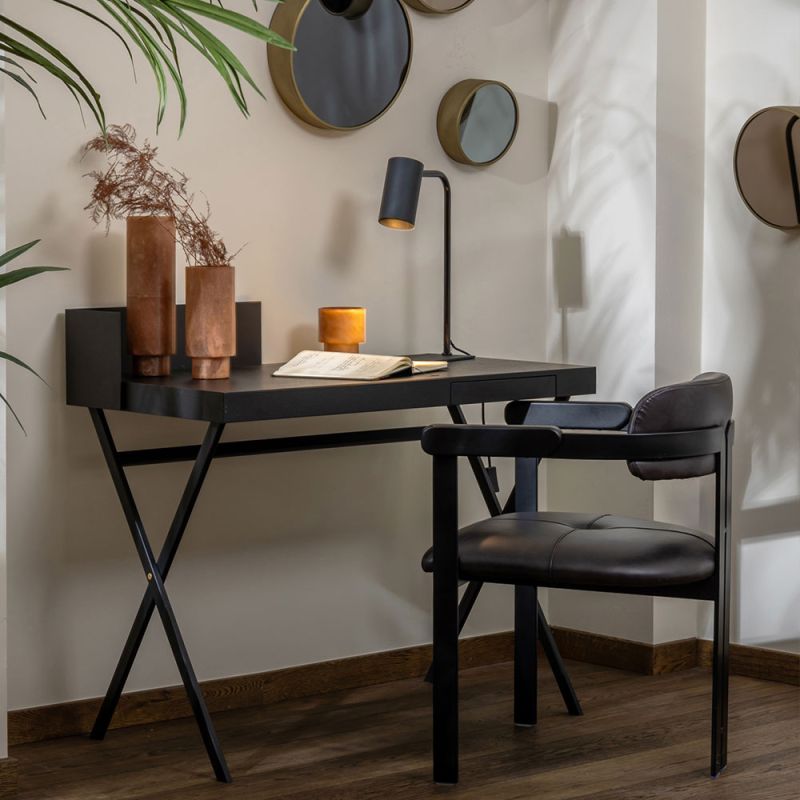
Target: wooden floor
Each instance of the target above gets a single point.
(642, 737)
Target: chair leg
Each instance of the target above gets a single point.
(445, 684)
(719, 703)
(722, 613)
(721, 670)
(445, 621)
(526, 620)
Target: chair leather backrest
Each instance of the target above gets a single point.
(704, 402)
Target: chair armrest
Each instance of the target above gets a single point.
(577, 414)
(620, 446)
(541, 441)
(490, 440)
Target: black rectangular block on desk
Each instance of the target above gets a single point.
(98, 363)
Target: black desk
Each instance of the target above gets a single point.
(98, 378)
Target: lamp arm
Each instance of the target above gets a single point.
(447, 347)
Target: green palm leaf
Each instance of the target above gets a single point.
(17, 275)
(20, 363)
(6, 279)
(13, 413)
(68, 72)
(105, 24)
(21, 50)
(16, 252)
(153, 27)
(26, 85)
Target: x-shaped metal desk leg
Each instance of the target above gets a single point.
(155, 596)
(473, 589)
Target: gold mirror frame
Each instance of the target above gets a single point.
(421, 5)
(285, 21)
(764, 164)
(448, 120)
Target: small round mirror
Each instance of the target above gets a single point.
(438, 6)
(478, 121)
(767, 164)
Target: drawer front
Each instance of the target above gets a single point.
(491, 391)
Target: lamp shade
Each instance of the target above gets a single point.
(401, 193)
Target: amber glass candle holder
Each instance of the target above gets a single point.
(342, 329)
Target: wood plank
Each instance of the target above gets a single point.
(158, 705)
(642, 737)
(8, 777)
(225, 694)
(611, 651)
(756, 662)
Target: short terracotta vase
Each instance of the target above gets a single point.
(210, 321)
(150, 278)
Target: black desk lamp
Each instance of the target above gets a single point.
(399, 212)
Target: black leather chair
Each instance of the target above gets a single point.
(675, 432)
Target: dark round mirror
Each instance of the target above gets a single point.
(438, 6)
(478, 121)
(767, 164)
(351, 61)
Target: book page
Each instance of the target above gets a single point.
(344, 366)
(421, 367)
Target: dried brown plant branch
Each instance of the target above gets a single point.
(136, 183)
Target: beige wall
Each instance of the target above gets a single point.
(751, 326)
(666, 273)
(602, 246)
(295, 558)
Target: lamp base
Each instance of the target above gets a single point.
(440, 357)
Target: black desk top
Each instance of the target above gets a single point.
(99, 376)
(252, 393)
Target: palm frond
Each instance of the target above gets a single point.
(13, 413)
(20, 363)
(22, 82)
(6, 279)
(105, 24)
(54, 62)
(16, 252)
(17, 275)
(154, 27)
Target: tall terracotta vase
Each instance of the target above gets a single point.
(210, 321)
(151, 293)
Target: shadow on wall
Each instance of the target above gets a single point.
(767, 464)
(602, 173)
(752, 288)
(568, 280)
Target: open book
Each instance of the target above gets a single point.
(353, 366)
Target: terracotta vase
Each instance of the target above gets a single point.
(151, 293)
(210, 321)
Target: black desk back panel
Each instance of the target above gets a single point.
(98, 358)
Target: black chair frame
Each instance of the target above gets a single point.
(566, 414)
(528, 445)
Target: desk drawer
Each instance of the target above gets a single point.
(492, 391)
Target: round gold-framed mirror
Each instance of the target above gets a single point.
(478, 121)
(438, 6)
(351, 62)
(767, 166)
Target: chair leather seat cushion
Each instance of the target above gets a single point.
(556, 548)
